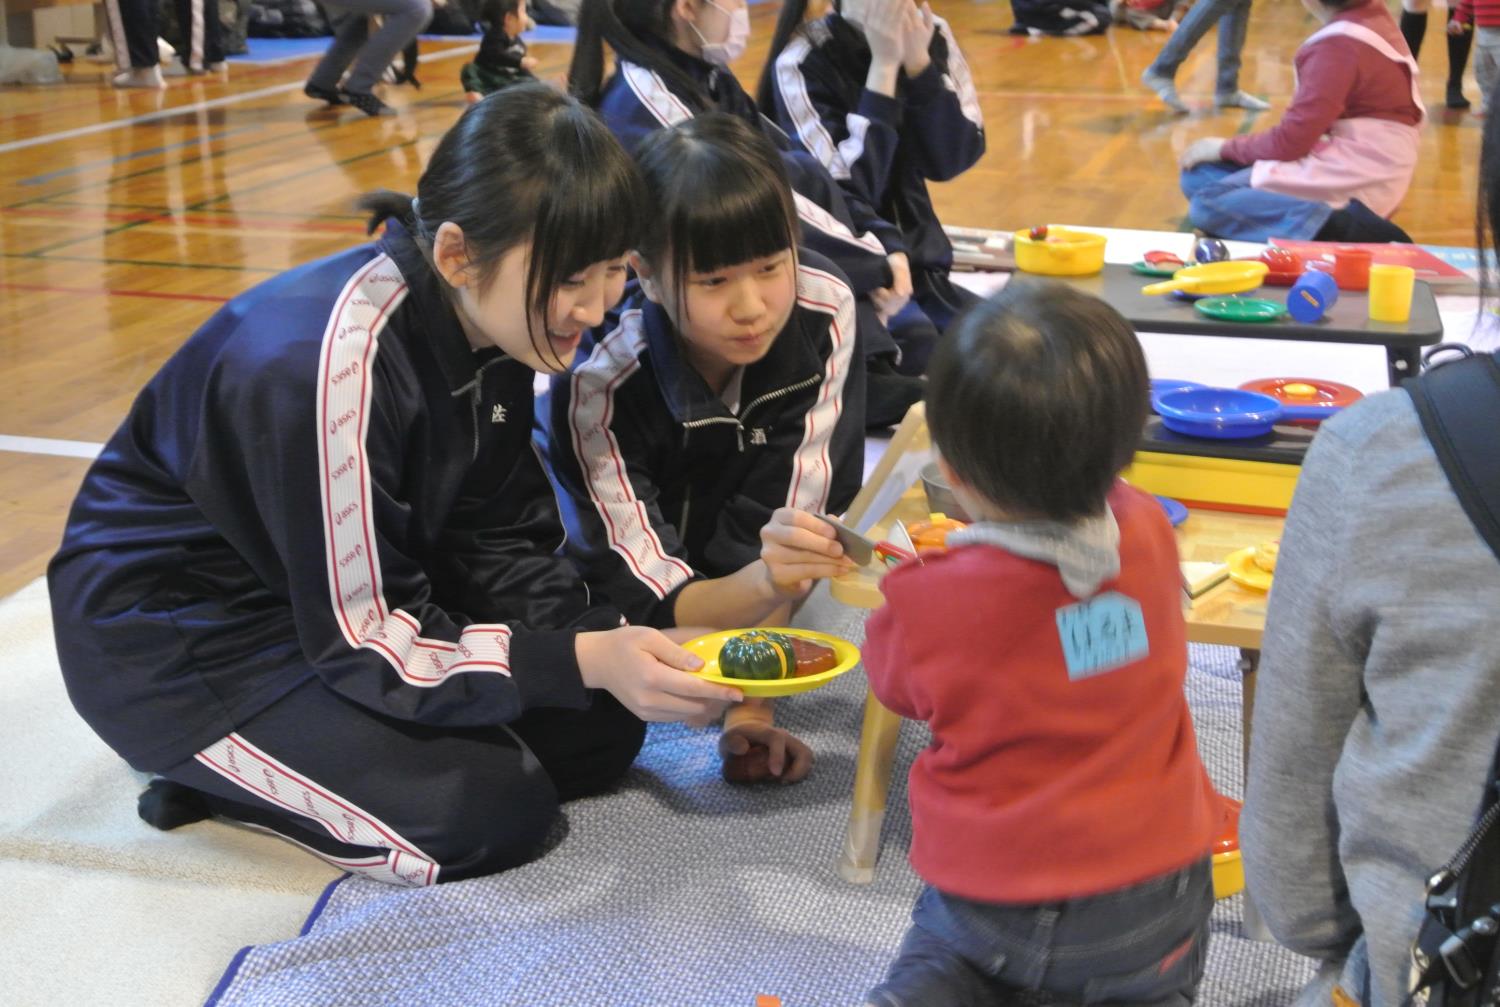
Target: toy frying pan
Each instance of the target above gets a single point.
(1218, 413)
(1213, 278)
(1306, 400)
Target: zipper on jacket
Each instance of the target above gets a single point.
(475, 389)
(779, 393)
(738, 421)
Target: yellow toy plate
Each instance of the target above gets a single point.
(707, 647)
(1244, 572)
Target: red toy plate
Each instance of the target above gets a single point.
(1306, 400)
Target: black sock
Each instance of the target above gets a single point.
(1413, 27)
(1358, 223)
(167, 805)
(1458, 54)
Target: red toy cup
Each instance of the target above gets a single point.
(1351, 268)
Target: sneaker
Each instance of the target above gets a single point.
(1240, 99)
(1166, 90)
(367, 103)
(1456, 99)
(140, 76)
(328, 94)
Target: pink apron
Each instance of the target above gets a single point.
(1371, 160)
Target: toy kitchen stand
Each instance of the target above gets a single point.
(1346, 322)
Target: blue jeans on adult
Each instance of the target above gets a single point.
(1233, 17)
(1222, 202)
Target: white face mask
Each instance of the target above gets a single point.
(733, 45)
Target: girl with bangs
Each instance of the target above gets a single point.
(672, 60)
(701, 431)
(312, 583)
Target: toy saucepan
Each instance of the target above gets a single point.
(1219, 413)
(1214, 278)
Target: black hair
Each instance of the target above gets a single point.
(716, 195)
(1037, 398)
(1341, 5)
(636, 30)
(527, 163)
(495, 11)
(793, 12)
(1487, 211)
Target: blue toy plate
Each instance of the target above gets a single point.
(1220, 413)
(1161, 386)
(1176, 512)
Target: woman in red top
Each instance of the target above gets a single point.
(1339, 162)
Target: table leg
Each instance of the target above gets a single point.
(1254, 929)
(872, 782)
(1403, 363)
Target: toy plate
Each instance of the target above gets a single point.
(1241, 309)
(707, 648)
(1244, 572)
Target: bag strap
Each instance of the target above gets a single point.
(1458, 403)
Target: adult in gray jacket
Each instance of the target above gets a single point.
(1375, 713)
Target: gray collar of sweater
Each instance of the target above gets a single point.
(1086, 553)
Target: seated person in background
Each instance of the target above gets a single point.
(1059, 17)
(1149, 15)
(501, 60)
(879, 93)
(1375, 706)
(1061, 817)
(1339, 162)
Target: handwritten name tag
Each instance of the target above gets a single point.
(1102, 634)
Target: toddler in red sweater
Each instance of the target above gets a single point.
(1061, 817)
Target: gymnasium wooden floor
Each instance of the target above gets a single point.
(127, 218)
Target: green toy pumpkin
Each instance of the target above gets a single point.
(757, 655)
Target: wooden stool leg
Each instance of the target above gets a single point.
(872, 781)
(1253, 928)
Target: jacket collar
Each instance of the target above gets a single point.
(437, 320)
(792, 360)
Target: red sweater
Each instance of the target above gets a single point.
(1484, 13)
(1043, 781)
(1337, 78)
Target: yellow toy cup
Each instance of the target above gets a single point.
(1390, 292)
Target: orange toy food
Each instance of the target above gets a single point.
(812, 658)
(932, 535)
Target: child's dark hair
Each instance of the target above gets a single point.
(525, 164)
(630, 27)
(495, 12)
(716, 195)
(1037, 398)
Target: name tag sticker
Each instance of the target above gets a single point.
(1102, 634)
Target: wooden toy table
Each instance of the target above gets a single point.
(1228, 615)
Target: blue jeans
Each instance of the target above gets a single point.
(1145, 946)
(1233, 17)
(1221, 202)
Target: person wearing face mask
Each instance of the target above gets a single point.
(879, 93)
(311, 582)
(671, 63)
(701, 432)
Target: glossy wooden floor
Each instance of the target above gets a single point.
(126, 218)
